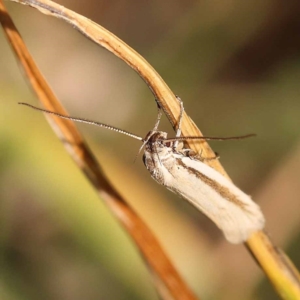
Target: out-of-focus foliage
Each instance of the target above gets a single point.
(235, 64)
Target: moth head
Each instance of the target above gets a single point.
(155, 140)
(154, 149)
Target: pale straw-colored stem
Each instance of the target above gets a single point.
(281, 272)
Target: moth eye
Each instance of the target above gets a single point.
(168, 144)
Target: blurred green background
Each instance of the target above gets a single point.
(236, 66)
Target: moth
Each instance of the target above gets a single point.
(187, 175)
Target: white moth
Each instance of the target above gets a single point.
(218, 198)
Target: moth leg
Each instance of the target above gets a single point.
(190, 153)
(202, 158)
(145, 141)
(198, 156)
(217, 156)
(178, 131)
(159, 114)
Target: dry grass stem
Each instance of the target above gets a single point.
(279, 270)
(168, 282)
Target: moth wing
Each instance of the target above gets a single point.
(232, 210)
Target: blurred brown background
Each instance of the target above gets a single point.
(236, 66)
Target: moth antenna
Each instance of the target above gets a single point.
(82, 120)
(185, 138)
